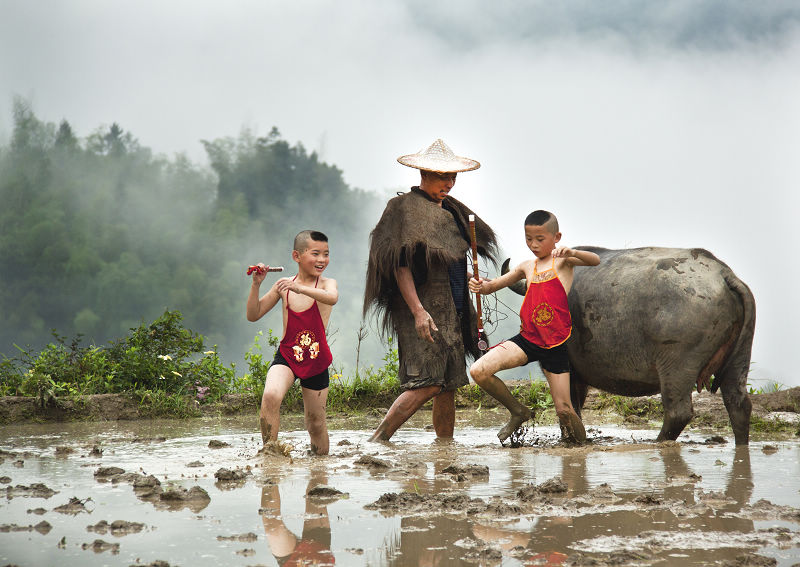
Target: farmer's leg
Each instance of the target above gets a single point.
(444, 413)
(504, 356)
(403, 408)
(279, 379)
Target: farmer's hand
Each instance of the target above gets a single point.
(424, 325)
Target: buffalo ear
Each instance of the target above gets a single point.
(518, 286)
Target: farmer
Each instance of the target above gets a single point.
(417, 284)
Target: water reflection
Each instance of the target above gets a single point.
(578, 517)
(314, 545)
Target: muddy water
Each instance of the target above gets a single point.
(621, 500)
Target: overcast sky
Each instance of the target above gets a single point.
(637, 123)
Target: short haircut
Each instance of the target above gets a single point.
(302, 238)
(543, 218)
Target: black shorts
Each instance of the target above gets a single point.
(553, 360)
(317, 382)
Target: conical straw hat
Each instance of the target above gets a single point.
(439, 158)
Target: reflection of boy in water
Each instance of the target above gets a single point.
(314, 547)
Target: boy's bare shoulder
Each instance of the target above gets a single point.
(526, 266)
(326, 282)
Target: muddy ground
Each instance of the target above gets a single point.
(619, 500)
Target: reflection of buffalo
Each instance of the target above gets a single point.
(662, 320)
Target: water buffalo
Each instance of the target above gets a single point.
(662, 320)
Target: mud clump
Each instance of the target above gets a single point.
(372, 463)
(224, 475)
(533, 492)
(145, 481)
(276, 448)
(648, 500)
(325, 491)
(63, 451)
(766, 510)
(42, 527)
(100, 546)
(412, 502)
(217, 444)
(115, 475)
(107, 473)
(750, 560)
(117, 528)
(74, 507)
(615, 558)
(35, 490)
(248, 537)
(175, 498)
(462, 473)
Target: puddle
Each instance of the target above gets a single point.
(622, 500)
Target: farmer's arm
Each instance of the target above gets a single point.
(423, 322)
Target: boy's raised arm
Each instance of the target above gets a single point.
(258, 307)
(577, 257)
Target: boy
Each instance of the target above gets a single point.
(303, 352)
(546, 325)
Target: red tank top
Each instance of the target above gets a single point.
(546, 321)
(304, 345)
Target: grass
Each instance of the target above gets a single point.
(648, 408)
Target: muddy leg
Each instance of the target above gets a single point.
(403, 408)
(572, 429)
(507, 355)
(444, 414)
(314, 402)
(279, 380)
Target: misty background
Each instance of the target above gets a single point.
(670, 124)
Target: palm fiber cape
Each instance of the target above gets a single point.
(415, 232)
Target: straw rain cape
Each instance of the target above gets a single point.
(425, 237)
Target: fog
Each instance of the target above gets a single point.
(668, 124)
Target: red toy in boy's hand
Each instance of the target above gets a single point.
(262, 270)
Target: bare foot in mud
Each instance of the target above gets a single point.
(572, 430)
(276, 448)
(513, 424)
